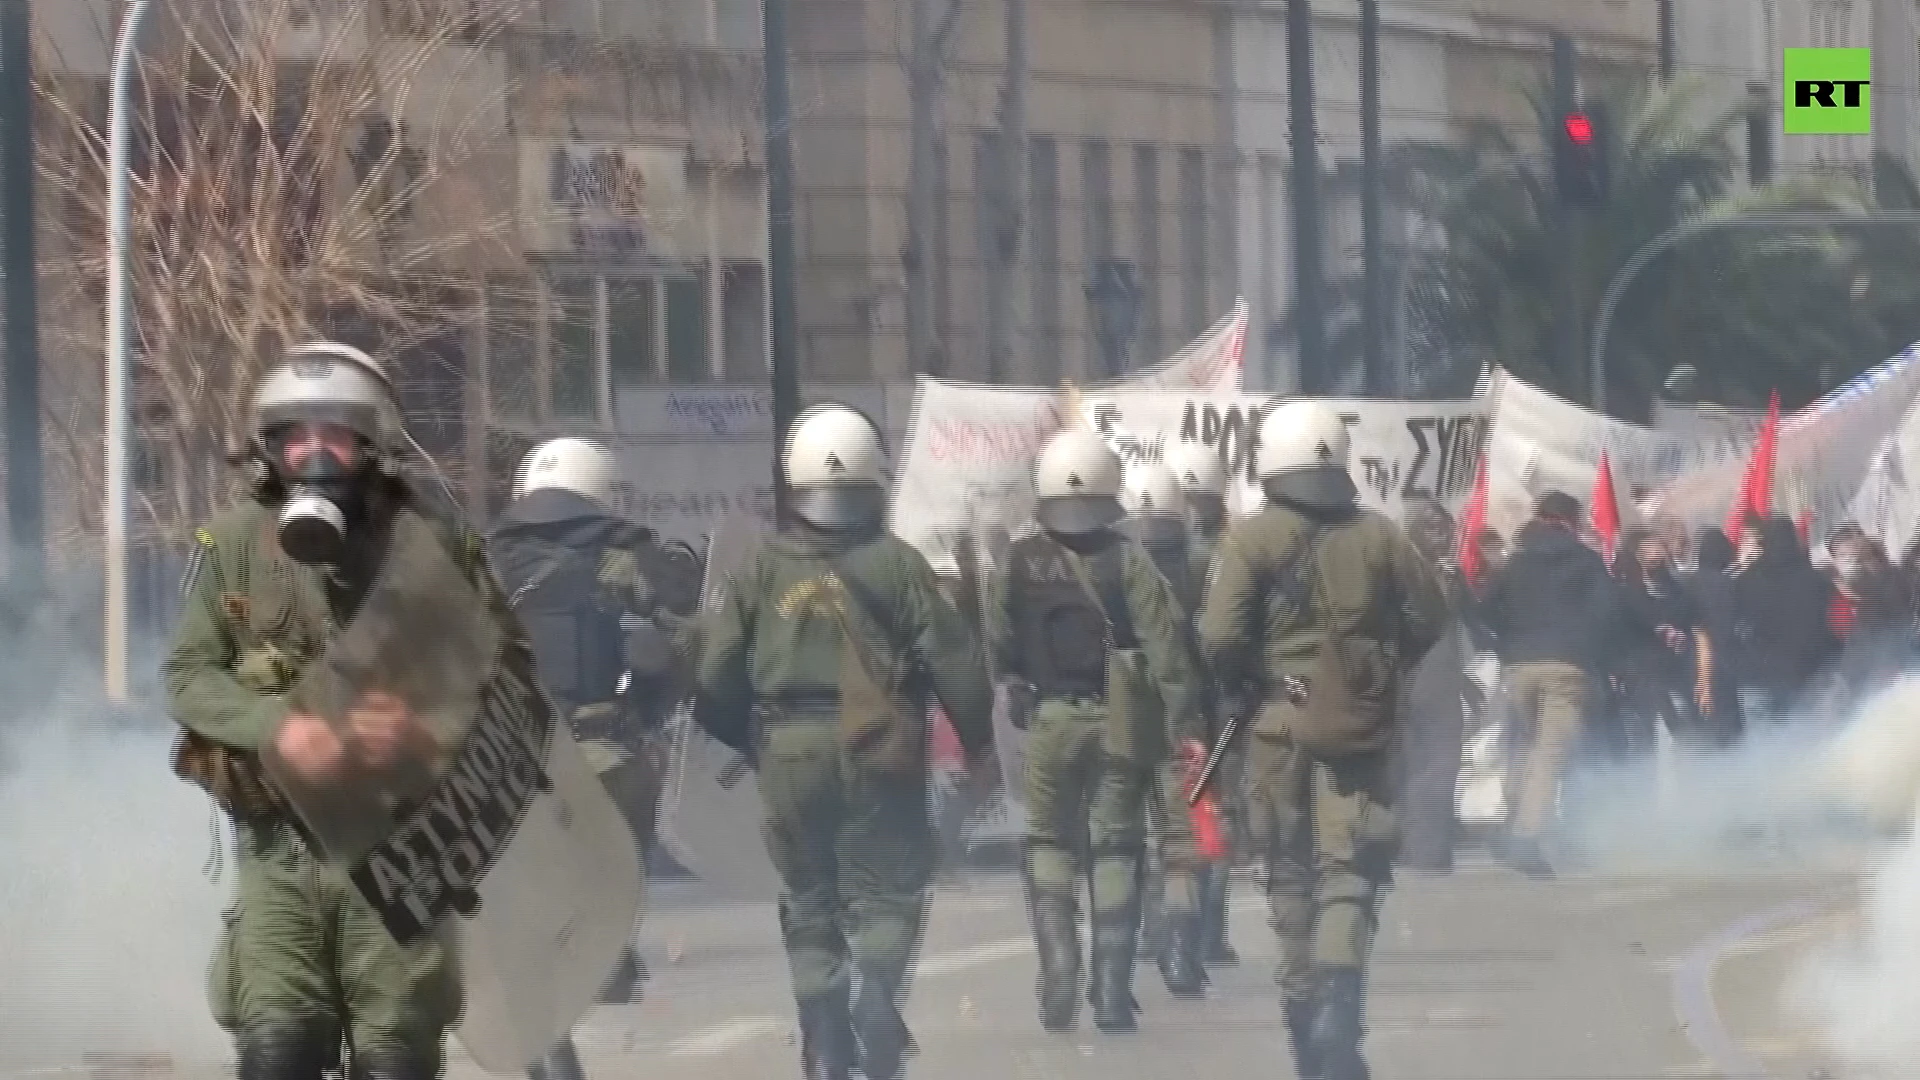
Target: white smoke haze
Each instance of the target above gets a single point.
(1758, 808)
(107, 918)
(1864, 991)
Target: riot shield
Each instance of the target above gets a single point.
(710, 811)
(479, 821)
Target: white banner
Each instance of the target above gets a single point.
(1542, 442)
(1824, 456)
(968, 460)
(1402, 450)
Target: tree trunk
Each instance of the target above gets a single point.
(1010, 200)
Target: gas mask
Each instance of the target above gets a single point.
(325, 495)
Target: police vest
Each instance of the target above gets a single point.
(575, 629)
(1061, 630)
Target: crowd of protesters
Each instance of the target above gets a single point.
(1707, 638)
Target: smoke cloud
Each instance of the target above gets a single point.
(1864, 991)
(107, 914)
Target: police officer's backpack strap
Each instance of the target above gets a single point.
(1101, 575)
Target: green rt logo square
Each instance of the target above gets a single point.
(1829, 92)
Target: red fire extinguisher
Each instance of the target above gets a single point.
(1209, 825)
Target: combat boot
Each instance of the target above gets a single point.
(1059, 940)
(1336, 1031)
(560, 1063)
(624, 987)
(827, 1050)
(1179, 957)
(1306, 1063)
(1114, 1008)
(1215, 951)
(884, 1039)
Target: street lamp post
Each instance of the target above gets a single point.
(1653, 248)
(1113, 297)
(118, 217)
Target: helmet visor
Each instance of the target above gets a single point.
(1073, 514)
(841, 506)
(1328, 486)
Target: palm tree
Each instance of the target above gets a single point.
(1752, 309)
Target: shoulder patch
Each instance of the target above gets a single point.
(195, 563)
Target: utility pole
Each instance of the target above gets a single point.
(1668, 59)
(1759, 134)
(780, 245)
(926, 70)
(1566, 220)
(1010, 201)
(26, 496)
(1307, 250)
(1373, 305)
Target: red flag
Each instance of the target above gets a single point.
(1756, 487)
(1606, 509)
(1805, 524)
(1473, 521)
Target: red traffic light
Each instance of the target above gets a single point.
(1579, 128)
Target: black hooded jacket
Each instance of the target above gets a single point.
(1781, 636)
(1552, 602)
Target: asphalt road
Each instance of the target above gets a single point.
(1481, 975)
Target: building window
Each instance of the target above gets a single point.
(561, 346)
(1096, 195)
(1193, 242)
(1043, 216)
(743, 322)
(1146, 187)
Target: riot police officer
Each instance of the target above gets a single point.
(1084, 627)
(1156, 518)
(1202, 476)
(835, 634)
(1319, 607)
(305, 963)
(582, 582)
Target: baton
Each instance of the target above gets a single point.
(1293, 686)
(1214, 757)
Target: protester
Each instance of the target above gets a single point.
(1716, 700)
(1655, 651)
(1550, 609)
(1781, 635)
(1879, 603)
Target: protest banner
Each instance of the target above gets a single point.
(967, 465)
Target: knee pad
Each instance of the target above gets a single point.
(288, 1053)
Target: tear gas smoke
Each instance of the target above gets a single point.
(1758, 808)
(1864, 991)
(107, 916)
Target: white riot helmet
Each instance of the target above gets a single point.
(1078, 481)
(1150, 490)
(1198, 468)
(579, 466)
(324, 422)
(1303, 455)
(837, 467)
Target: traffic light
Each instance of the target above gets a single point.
(1580, 158)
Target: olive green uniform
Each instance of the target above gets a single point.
(1175, 870)
(843, 778)
(1229, 788)
(303, 961)
(1090, 761)
(1325, 822)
